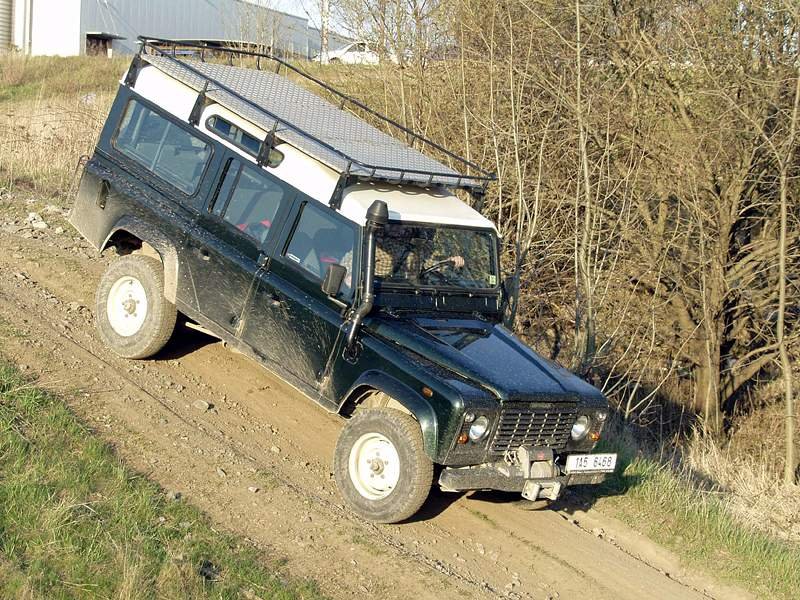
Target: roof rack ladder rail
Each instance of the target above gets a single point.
(199, 106)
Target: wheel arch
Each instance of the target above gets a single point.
(135, 234)
(410, 402)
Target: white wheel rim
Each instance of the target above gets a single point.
(126, 306)
(374, 466)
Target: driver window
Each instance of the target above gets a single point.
(249, 199)
(321, 239)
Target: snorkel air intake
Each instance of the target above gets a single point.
(377, 217)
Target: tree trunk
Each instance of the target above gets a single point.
(706, 395)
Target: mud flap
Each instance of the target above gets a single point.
(87, 214)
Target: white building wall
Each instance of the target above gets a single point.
(18, 16)
(237, 20)
(60, 26)
(55, 28)
(5, 24)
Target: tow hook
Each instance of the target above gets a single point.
(538, 463)
(549, 490)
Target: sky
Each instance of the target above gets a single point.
(302, 8)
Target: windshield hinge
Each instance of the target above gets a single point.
(199, 106)
(338, 193)
(267, 146)
(133, 71)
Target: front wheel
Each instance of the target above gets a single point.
(134, 318)
(381, 467)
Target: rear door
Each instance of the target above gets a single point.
(290, 320)
(231, 238)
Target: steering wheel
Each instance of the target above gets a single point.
(436, 266)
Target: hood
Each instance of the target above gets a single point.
(489, 355)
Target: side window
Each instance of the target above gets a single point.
(249, 200)
(163, 148)
(321, 239)
(241, 139)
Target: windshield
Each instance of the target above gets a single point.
(439, 256)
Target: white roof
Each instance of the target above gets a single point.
(405, 202)
(412, 204)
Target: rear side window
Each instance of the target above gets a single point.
(321, 239)
(249, 199)
(242, 140)
(162, 147)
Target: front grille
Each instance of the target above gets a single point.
(533, 424)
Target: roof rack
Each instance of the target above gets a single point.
(338, 138)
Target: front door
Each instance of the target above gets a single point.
(223, 251)
(290, 320)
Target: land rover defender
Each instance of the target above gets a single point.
(342, 260)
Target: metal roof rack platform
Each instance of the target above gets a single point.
(330, 133)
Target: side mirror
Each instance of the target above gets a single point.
(334, 276)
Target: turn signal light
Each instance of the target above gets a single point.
(463, 438)
(594, 436)
(427, 392)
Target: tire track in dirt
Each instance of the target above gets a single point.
(473, 547)
(219, 436)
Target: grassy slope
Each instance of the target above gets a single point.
(75, 522)
(662, 503)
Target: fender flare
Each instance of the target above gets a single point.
(160, 243)
(418, 406)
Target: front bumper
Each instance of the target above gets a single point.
(535, 479)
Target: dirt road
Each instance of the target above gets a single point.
(259, 459)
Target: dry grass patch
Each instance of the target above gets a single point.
(29, 77)
(707, 508)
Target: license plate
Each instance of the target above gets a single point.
(598, 463)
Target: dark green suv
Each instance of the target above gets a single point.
(340, 259)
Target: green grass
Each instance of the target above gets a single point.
(664, 505)
(75, 522)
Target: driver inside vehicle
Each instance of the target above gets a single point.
(407, 252)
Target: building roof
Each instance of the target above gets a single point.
(333, 135)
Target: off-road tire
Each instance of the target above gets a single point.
(159, 322)
(416, 469)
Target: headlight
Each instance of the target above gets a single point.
(580, 428)
(478, 428)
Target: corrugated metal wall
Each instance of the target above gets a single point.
(5, 24)
(192, 19)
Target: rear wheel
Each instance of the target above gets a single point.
(381, 467)
(134, 318)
